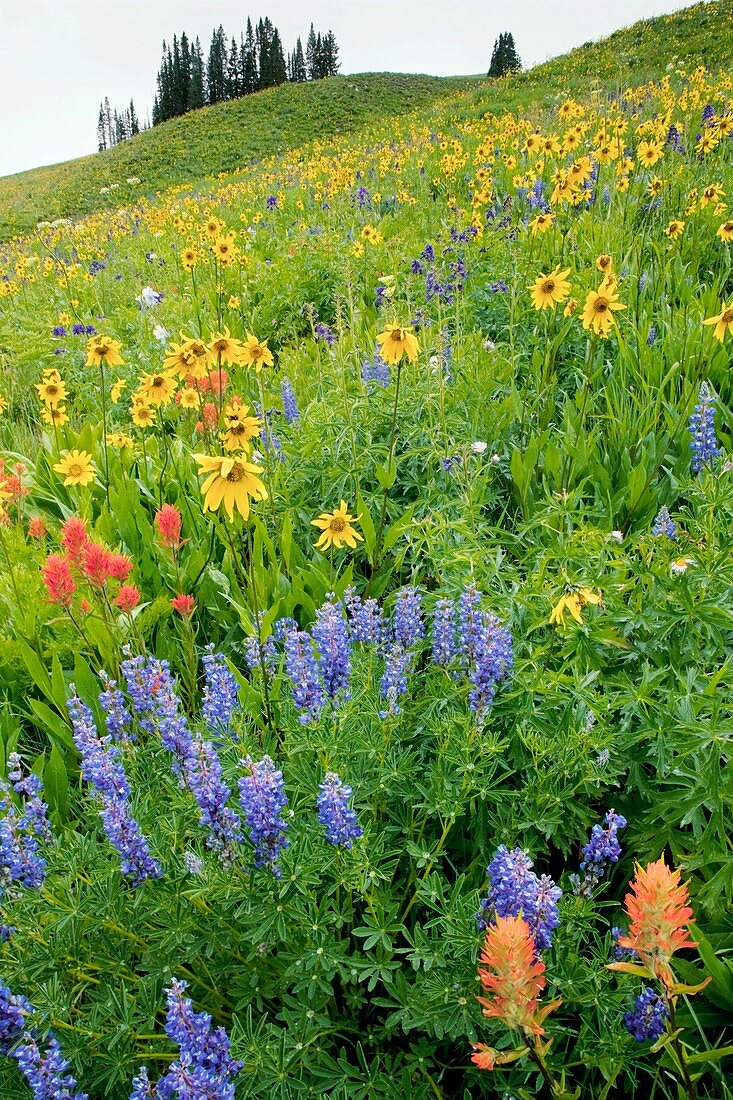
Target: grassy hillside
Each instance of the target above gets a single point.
(213, 140)
(227, 136)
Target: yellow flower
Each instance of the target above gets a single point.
(116, 391)
(548, 290)
(231, 482)
(157, 389)
(674, 229)
(188, 258)
(77, 468)
(371, 235)
(398, 340)
(240, 428)
(723, 321)
(52, 390)
(573, 600)
(541, 223)
(103, 349)
(649, 152)
(233, 302)
(726, 231)
(604, 263)
(189, 399)
(225, 249)
(188, 357)
(224, 348)
(255, 353)
(3, 404)
(119, 440)
(336, 528)
(55, 414)
(599, 309)
(142, 413)
(213, 227)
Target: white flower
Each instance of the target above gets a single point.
(680, 565)
(495, 459)
(160, 333)
(489, 345)
(148, 297)
(617, 536)
(257, 456)
(479, 447)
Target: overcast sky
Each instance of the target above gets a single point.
(59, 58)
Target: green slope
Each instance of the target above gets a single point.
(213, 140)
(227, 136)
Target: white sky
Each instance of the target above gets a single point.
(59, 58)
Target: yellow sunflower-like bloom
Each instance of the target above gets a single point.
(573, 601)
(158, 389)
(548, 290)
(76, 467)
(103, 349)
(599, 309)
(726, 231)
(51, 391)
(398, 340)
(188, 357)
(231, 482)
(240, 428)
(723, 322)
(541, 223)
(255, 353)
(337, 528)
(225, 348)
(55, 414)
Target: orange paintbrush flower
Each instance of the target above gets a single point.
(514, 977)
(659, 914)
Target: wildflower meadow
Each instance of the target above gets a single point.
(366, 578)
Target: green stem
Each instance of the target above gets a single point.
(392, 442)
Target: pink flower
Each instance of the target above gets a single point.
(58, 580)
(127, 598)
(183, 604)
(168, 522)
(74, 538)
(37, 528)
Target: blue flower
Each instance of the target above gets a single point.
(516, 891)
(704, 445)
(221, 692)
(262, 798)
(331, 634)
(444, 632)
(648, 1018)
(334, 812)
(664, 524)
(290, 405)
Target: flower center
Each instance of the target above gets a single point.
(75, 470)
(548, 286)
(727, 317)
(236, 473)
(397, 335)
(601, 305)
(338, 524)
(256, 351)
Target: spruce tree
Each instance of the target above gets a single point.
(233, 89)
(299, 71)
(330, 55)
(311, 55)
(249, 65)
(504, 57)
(196, 90)
(277, 59)
(101, 135)
(134, 124)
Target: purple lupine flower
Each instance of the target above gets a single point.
(648, 1018)
(704, 445)
(271, 202)
(262, 798)
(617, 951)
(13, 1011)
(444, 632)
(221, 692)
(195, 761)
(499, 287)
(494, 660)
(117, 718)
(301, 666)
(652, 336)
(515, 890)
(330, 632)
(450, 461)
(260, 654)
(59, 330)
(21, 830)
(46, 1072)
(428, 254)
(602, 848)
(325, 333)
(393, 684)
(708, 114)
(334, 812)
(366, 620)
(100, 768)
(290, 405)
(203, 775)
(204, 1069)
(470, 625)
(664, 524)
(407, 627)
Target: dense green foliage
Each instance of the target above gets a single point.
(517, 451)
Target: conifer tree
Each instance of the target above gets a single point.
(504, 57)
(277, 59)
(250, 73)
(299, 73)
(329, 55)
(311, 55)
(196, 90)
(101, 131)
(134, 123)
